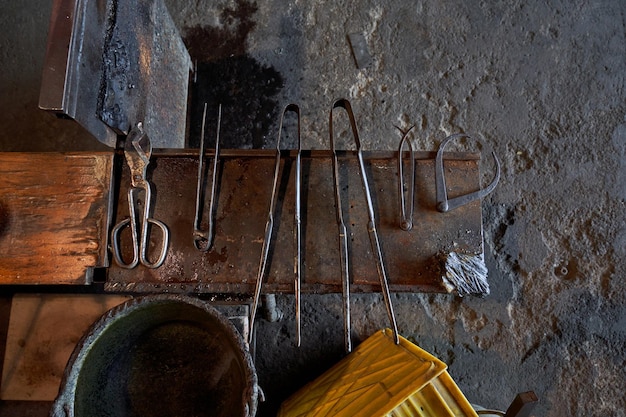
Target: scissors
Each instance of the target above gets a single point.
(137, 151)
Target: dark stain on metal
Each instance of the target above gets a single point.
(142, 48)
(227, 75)
(4, 218)
(116, 66)
(214, 257)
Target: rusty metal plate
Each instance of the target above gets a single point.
(412, 258)
(110, 64)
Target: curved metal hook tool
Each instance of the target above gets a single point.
(374, 240)
(203, 239)
(137, 150)
(269, 225)
(443, 203)
(406, 205)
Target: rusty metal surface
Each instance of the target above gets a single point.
(54, 211)
(72, 70)
(145, 74)
(245, 179)
(103, 61)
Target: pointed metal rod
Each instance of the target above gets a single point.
(269, 225)
(343, 243)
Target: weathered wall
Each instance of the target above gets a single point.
(541, 82)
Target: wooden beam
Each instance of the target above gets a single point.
(54, 214)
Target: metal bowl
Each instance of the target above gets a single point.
(161, 355)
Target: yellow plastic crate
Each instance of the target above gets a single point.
(381, 379)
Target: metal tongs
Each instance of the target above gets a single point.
(137, 150)
(203, 239)
(443, 203)
(343, 237)
(269, 226)
(406, 204)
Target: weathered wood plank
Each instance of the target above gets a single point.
(54, 211)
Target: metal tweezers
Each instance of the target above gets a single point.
(137, 150)
(203, 239)
(297, 234)
(406, 204)
(269, 226)
(443, 203)
(343, 238)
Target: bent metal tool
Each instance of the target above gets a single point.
(443, 203)
(269, 226)
(203, 239)
(137, 150)
(406, 204)
(373, 234)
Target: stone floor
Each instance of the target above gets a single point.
(543, 83)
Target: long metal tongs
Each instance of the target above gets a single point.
(443, 203)
(373, 234)
(269, 226)
(406, 204)
(297, 233)
(203, 239)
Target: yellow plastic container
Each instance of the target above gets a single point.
(381, 379)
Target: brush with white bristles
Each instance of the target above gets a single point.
(465, 274)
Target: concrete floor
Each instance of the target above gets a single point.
(541, 82)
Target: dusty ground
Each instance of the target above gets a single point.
(541, 82)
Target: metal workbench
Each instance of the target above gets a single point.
(57, 210)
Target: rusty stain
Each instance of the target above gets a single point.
(214, 257)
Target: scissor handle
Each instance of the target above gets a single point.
(116, 247)
(145, 243)
(140, 240)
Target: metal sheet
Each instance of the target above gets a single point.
(412, 258)
(110, 64)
